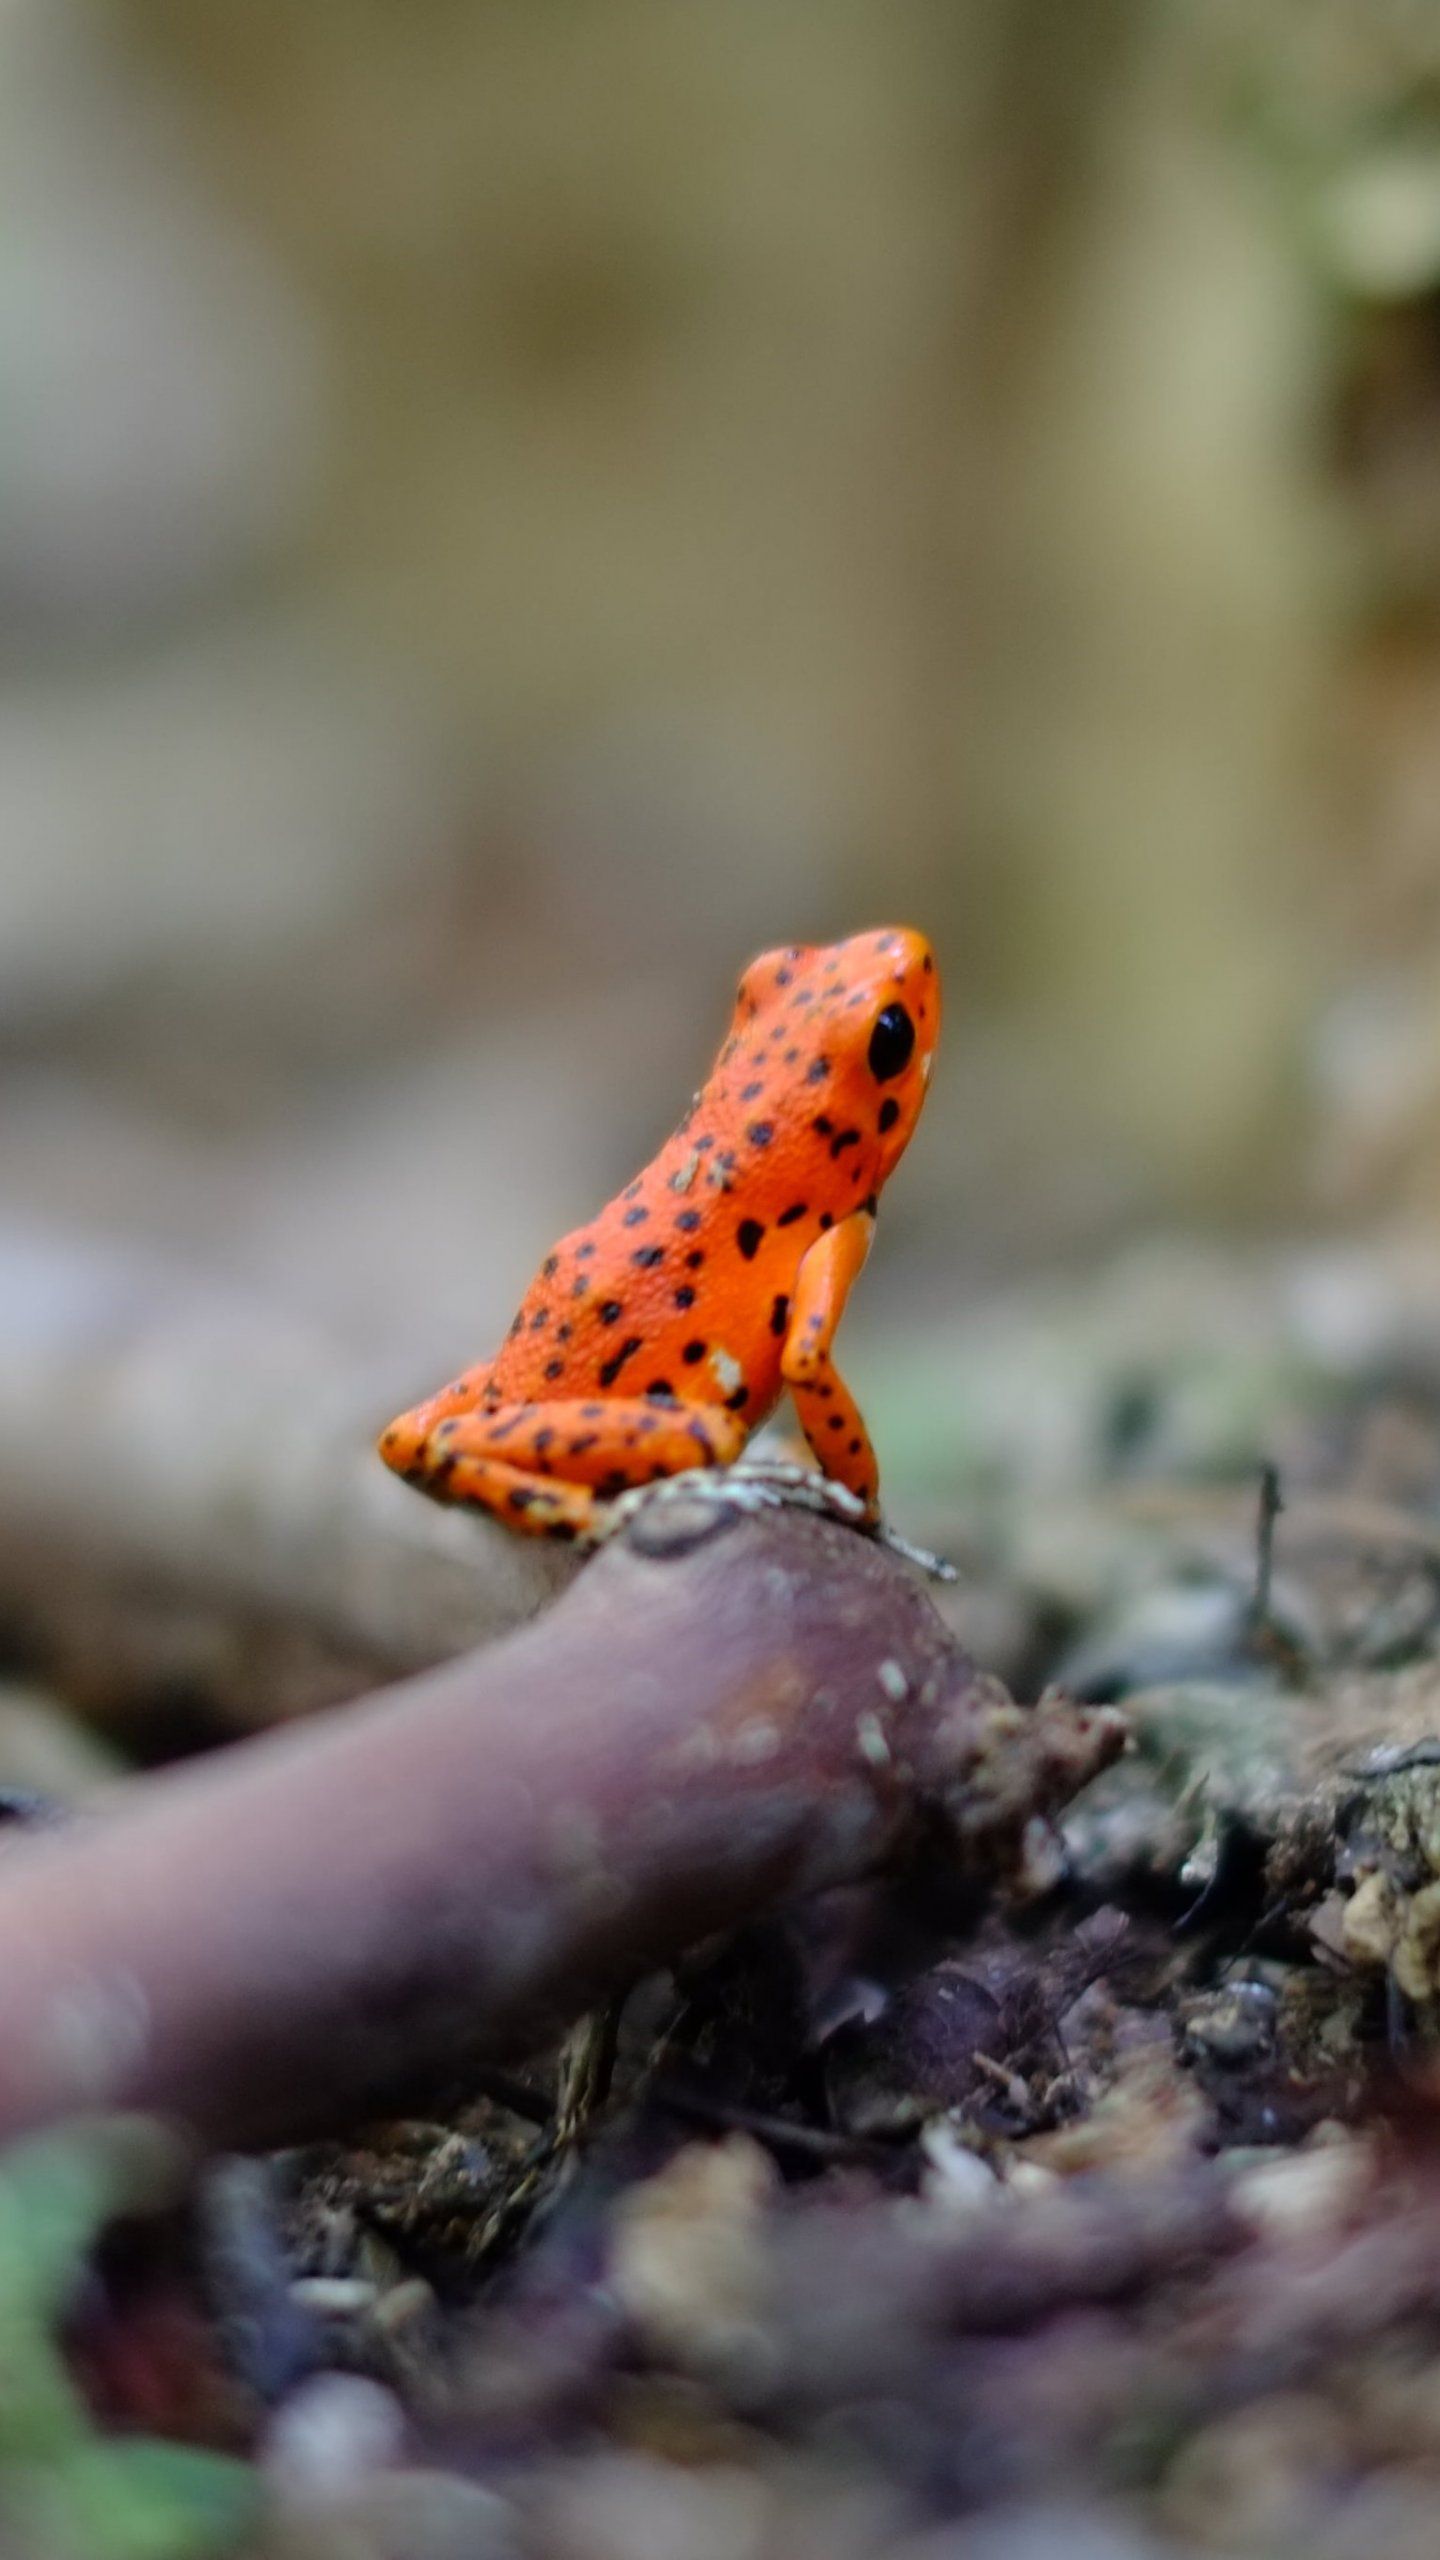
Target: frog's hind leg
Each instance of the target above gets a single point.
(401, 1444)
(535, 1505)
(545, 1467)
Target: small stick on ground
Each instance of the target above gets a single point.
(1271, 1505)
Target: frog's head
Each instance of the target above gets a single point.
(864, 1015)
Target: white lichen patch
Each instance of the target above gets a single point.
(726, 1370)
(755, 1742)
(870, 1736)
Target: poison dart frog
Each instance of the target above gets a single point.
(658, 1337)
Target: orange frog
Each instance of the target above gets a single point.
(658, 1337)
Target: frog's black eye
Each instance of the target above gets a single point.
(892, 1043)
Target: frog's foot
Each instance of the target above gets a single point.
(770, 1484)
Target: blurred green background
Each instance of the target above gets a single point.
(506, 509)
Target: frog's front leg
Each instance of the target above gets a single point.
(824, 1407)
(544, 1468)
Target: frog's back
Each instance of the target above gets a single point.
(682, 1285)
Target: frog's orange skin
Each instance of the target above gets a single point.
(660, 1335)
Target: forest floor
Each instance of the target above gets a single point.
(1096, 2207)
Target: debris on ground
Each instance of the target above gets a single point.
(1085, 2191)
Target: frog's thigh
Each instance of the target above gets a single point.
(608, 1443)
(825, 1409)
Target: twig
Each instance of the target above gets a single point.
(721, 1713)
(1270, 1507)
(780, 2133)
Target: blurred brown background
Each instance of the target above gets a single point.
(505, 510)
